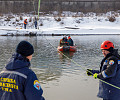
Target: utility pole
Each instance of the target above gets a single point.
(38, 8)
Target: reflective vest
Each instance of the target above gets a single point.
(25, 22)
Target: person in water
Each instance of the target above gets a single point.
(109, 72)
(17, 80)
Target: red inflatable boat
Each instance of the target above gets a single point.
(67, 48)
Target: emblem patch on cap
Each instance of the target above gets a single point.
(37, 85)
(111, 62)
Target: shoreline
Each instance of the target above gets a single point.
(58, 32)
(80, 34)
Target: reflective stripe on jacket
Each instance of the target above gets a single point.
(106, 91)
(18, 82)
(109, 72)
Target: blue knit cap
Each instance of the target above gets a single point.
(25, 48)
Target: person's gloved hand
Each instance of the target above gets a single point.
(95, 76)
(89, 72)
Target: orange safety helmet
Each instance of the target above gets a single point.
(107, 45)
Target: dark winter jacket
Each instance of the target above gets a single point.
(110, 73)
(18, 82)
(63, 42)
(70, 42)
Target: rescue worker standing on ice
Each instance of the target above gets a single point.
(25, 23)
(17, 81)
(35, 22)
(109, 72)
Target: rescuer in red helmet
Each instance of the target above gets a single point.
(107, 47)
(109, 72)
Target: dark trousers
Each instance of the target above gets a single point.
(24, 26)
(35, 26)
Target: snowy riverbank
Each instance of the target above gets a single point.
(78, 25)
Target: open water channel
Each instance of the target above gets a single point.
(61, 78)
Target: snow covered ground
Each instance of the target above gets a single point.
(80, 24)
